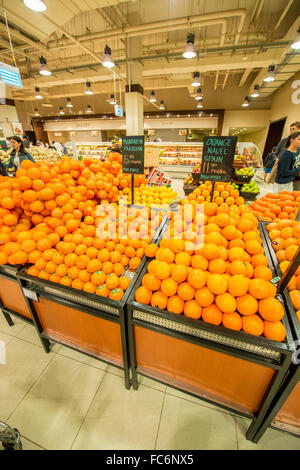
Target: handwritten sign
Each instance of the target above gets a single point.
(217, 158)
(133, 154)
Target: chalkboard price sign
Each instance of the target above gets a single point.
(133, 154)
(217, 158)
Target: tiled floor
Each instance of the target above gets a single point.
(66, 400)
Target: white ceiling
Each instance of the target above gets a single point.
(235, 44)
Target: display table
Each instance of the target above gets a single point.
(284, 411)
(12, 301)
(231, 369)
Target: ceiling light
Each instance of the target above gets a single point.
(270, 77)
(199, 105)
(157, 116)
(89, 109)
(162, 106)
(38, 94)
(189, 52)
(112, 99)
(61, 110)
(152, 97)
(43, 67)
(107, 60)
(69, 103)
(246, 101)
(110, 117)
(36, 112)
(35, 5)
(199, 95)
(177, 115)
(189, 115)
(196, 79)
(296, 43)
(88, 90)
(255, 92)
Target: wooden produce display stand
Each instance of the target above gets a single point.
(284, 411)
(12, 302)
(232, 369)
(89, 323)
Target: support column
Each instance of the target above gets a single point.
(134, 101)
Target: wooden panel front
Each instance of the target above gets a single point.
(225, 379)
(80, 329)
(12, 296)
(290, 411)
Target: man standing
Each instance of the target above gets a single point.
(58, 147)
(294, 127)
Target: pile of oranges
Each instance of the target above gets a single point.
(225, 280)
(273, 207)
(285, 239)
(223, 193)
(83, 260)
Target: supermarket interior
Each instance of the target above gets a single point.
(150, 225)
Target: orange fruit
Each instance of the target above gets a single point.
(112, 281)
(179, 272)
(274, 330)
(212, 314)
(98, 278)
(183, 258)
(236, 253)
(107, 267)
(295, 298)
(192, 309)
(165, 254)
(153, 265)
(247, 304)
(258, 288)
(270, 309)
(217, 284)
(217, 266)
(66, 281)
(253, 247)
(197, 278)
(159, 300)
(151, 250)
(175, 305)
(134, 262)
(253, 325)
(124, 282)
(185, 291)
(102, 290)
(263, 272)
(238, 285)
(77, 284)
(151, 282)
(199, 262)
(162, 270)
(259, 260)
(168, 287)
(89, 287)
(116, 294)
(226, 303)
(233, 321)
(211, 251)
(61, 270)
(238, 267)
(204, 297)
(143, 295)
(84, 275)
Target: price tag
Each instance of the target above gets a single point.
(217, 158)
(30, 294)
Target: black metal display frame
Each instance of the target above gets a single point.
(10, 272)
(257, 429)
(239, 344)
(91, 304)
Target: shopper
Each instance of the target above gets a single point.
(294, 127)
(269, 162)
(297, 177)
(286, 172)
(58, 147)
(18, 154)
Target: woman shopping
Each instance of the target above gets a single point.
(18, 154)
(286, 172)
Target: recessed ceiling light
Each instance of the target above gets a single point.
(35, 5)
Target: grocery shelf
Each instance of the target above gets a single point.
(284, 411)
(252, 367)
(12, 301)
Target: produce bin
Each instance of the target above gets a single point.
(231, 369)
(12, 302)
(284, 411)
(88, 323)
(248, 196)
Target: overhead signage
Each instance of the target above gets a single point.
(133, 154)
(10, 75)
(119, 111)
(217, 158)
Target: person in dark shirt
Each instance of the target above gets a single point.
(294, 127)
(286, 172)
(269, 162)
